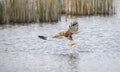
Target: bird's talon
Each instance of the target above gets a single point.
(73, 45)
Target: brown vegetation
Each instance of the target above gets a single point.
(26, 11)
(88, 7)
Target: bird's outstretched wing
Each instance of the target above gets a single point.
(73, 28)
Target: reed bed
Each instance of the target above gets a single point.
(88, 7)
(15, 11)
(26, 11)
(48, 10)
(1, 12)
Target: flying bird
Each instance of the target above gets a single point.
(73, 29)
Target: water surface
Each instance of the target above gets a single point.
(97, 46)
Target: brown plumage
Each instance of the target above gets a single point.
(73, 28)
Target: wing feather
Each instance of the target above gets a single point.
(73, 28)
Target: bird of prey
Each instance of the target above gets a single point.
(73, 29)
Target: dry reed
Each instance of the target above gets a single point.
(26, 11)
(88, 7)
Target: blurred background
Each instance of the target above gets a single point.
(27, 11)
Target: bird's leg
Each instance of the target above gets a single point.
(71, 40)
(72, 43)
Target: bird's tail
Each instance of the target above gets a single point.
(43, 37)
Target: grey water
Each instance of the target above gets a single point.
(97, 46)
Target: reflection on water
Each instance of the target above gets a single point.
(72, 59)
(73, 62)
